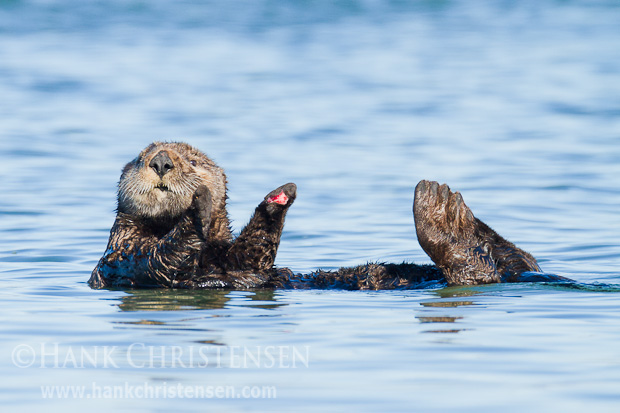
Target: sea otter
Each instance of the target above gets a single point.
(172, 230)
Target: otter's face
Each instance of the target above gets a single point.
(161, 181)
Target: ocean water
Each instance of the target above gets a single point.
(514, 104)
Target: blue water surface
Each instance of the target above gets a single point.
(514, 104)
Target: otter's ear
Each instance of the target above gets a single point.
(128, 166)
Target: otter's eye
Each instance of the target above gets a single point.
(193, 162)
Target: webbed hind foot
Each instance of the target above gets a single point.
(465, 248)
(448, 232)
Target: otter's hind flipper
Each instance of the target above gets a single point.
(255, 248)
(447, 232)
(465, 248)
(510, 260)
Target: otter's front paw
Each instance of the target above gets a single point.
(281, 198)
(202, 204)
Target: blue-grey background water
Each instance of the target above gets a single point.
(514, 104)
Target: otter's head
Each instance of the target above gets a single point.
(161, 181)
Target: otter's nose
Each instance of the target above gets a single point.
(161, 163)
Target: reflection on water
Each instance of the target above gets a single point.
(181, 300)
(448, 304)
(448, 331)
(461, 291)
(443, 319)
(172, 300)
(443, 304)
(593, 287)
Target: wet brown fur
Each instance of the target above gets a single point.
(172, 230)
(467, 250)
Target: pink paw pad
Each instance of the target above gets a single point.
(281, 199)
